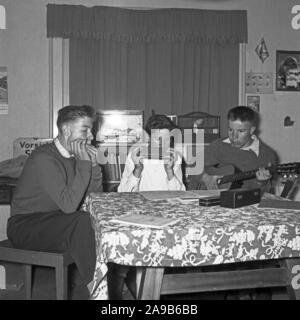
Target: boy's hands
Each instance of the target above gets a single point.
(169, 162)
(92, 151)
(137, 159)
(83, 151)
(210, 181)
(263, 175)
(79, 150)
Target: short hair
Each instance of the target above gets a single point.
(72, 113)
(243, 114)
(159, 121)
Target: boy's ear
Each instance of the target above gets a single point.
(66, 130)
(252, 130)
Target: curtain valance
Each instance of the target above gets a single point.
(129, 25)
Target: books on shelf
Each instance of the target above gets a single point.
(142, 220)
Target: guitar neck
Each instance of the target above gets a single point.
(238, 177)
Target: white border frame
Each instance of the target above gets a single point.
(58, 80)
(242, 74)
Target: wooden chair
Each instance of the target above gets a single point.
(58, 260)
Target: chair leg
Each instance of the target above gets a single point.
(28, 281)
(61, 275)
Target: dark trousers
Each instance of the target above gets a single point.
(57, 231)
(117, 276)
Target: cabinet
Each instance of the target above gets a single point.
(201, 120)
(194, 148)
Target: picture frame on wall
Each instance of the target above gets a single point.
(287, 70)
(119, 126)
(253, 102)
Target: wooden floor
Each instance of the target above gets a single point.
(44, 289)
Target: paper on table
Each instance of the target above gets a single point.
(192, 194)
(143, 220)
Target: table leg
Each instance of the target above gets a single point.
(293, 271)
(150, 284)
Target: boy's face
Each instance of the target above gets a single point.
(239, 133)
(81, 129)
(161, 137)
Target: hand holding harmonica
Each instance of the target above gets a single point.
(79, 150)
(169, 162)
(137, 159)
(92, 152)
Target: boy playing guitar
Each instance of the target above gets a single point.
(242, 150)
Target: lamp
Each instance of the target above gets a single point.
(2, 17)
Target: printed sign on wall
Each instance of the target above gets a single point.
(259, 82)
(24, 146)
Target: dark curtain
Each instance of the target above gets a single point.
(172, 61)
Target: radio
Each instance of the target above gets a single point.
(237, 198)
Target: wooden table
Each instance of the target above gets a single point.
(264, 242)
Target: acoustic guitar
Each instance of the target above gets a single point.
(233, 178)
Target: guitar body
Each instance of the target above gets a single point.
(196, 183)
(225, 170)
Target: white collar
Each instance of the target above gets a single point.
(254, 146)
(62, 150)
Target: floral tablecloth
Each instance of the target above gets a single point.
(202, 236)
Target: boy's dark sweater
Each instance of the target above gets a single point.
(49, 182)
(220, 153)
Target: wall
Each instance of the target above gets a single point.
(24, 49)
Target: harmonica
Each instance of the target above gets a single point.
(153, 152)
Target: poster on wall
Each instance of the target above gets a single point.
(3, 91)
(117, 126)
(259, 83)
(287, 70)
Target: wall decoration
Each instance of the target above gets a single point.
(3, 91)
(24, 146)
(120, 126)
(262, 50)
(253, 102)
(287, 70)
(259, 83)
